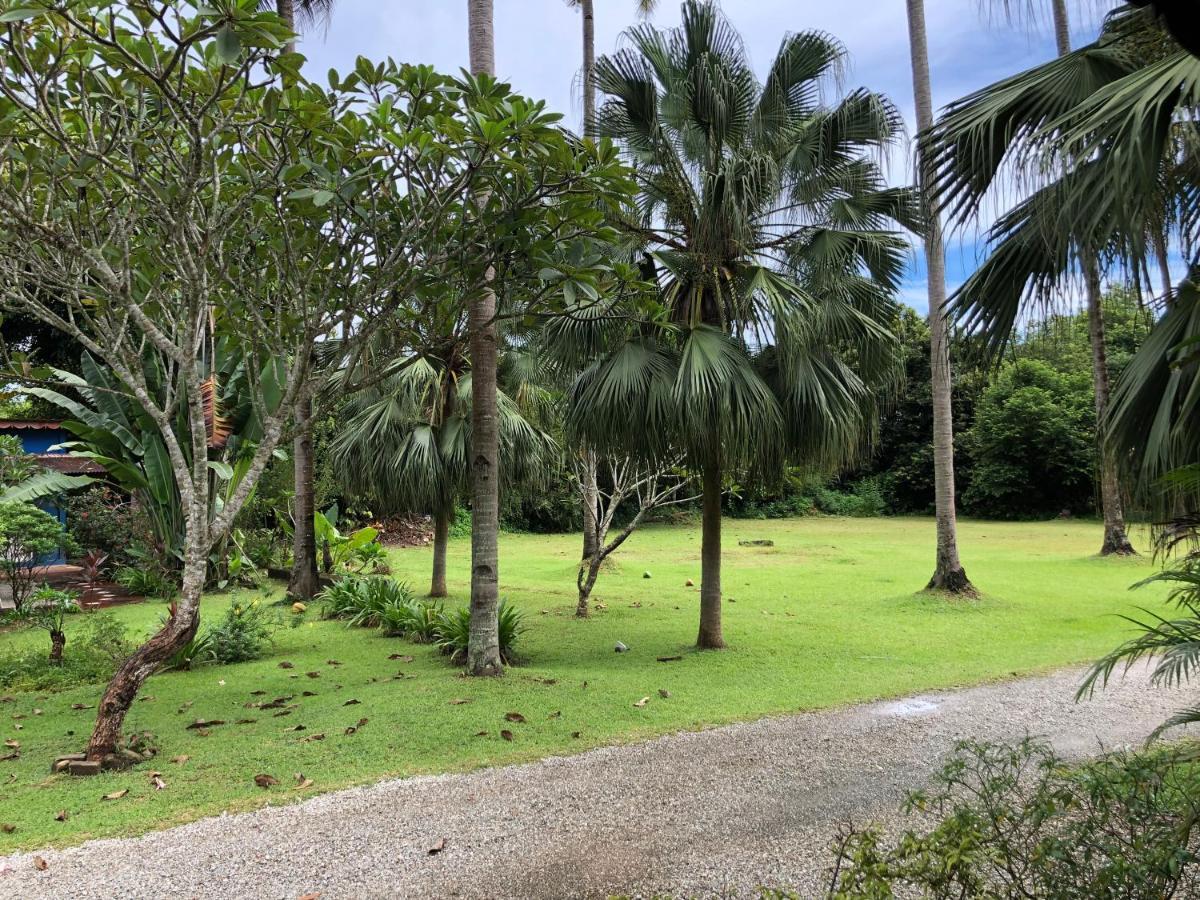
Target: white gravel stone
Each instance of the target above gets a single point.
(716, 813)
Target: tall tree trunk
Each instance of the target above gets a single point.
(590, 500)
(586, 581)
(589, 66)
(1115, 539)
(305, 580)
(948, 574)
(483, 649)
(710, 637)
(441, 538)
(1062, 27)
(180, 628)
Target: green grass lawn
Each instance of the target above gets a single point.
(827, 616)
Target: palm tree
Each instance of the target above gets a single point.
(1062, 229)
(948, 572)
(483, 651)
(405, 444)
(760, 209)
(590, 492)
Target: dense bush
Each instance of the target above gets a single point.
(147, 581)
(454, 632)
(365, 600)
(242, 634)
(1016, 822)
(1033, 444)
(101, 518)
(97, 647)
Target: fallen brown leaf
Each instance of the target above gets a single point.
(514, 717)
(664, 693)
(286, 665)
(40, 864)
(257, 693)
(481, 734)
(506, 734)
(265, 781)
(308, 693)
(576, 734)
(158, 782)
(205, 723)
(16, 754)
(144, 699)
(80, 706)
(313, 674)
(245, 721)
(438, 846)
(282, 712)
(116, 795)
(296, 728)
(62, 815)
(12, 745)
(459, 701)
(403, 657)
(642, 702)
(557, 714)
(350, 729)
(332, 662)
(8, 828)
(313, 896)
(669, 658)
(180, 759)
(319, 736)
(351, 702)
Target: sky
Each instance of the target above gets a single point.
(538, 50)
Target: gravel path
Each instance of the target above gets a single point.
(713, 813)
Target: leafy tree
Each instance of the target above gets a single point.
(27, 534)
(255, 208)
(1032, 444)
(760, 209)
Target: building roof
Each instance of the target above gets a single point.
(29, 425)
(69, 465)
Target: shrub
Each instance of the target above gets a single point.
(97, 647)
(102, 518)
(242, 634)
(26, 534)
(48, 609)
(364, 600)
(415, 619)
(454, 632)
(146, 581)
(1009, 822)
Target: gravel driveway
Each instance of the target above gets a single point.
(713, 813)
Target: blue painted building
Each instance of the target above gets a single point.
(38, 438)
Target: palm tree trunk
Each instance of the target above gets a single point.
(1062, 27)
(710, 637)
(948, 574)
(58, 640)
(441, 538)
(483, 649)
(305, 580)
(590, 500)
(586, 7)
(1115, 539)
(287, 11)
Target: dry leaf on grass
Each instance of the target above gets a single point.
(157, 781)
(116, 795)
(459, 701)
(8, 828)
(286, 665)
(61, 816)
(642, 702)
(351, 702)
(514, 717)
(506, 734)
(265, 781)
(180, 759)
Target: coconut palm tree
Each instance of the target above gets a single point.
(766, 229)
(405, 444)
(588, 15)
(1062, 230)
(948, 572)
(483, 652)
(1115, 539)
